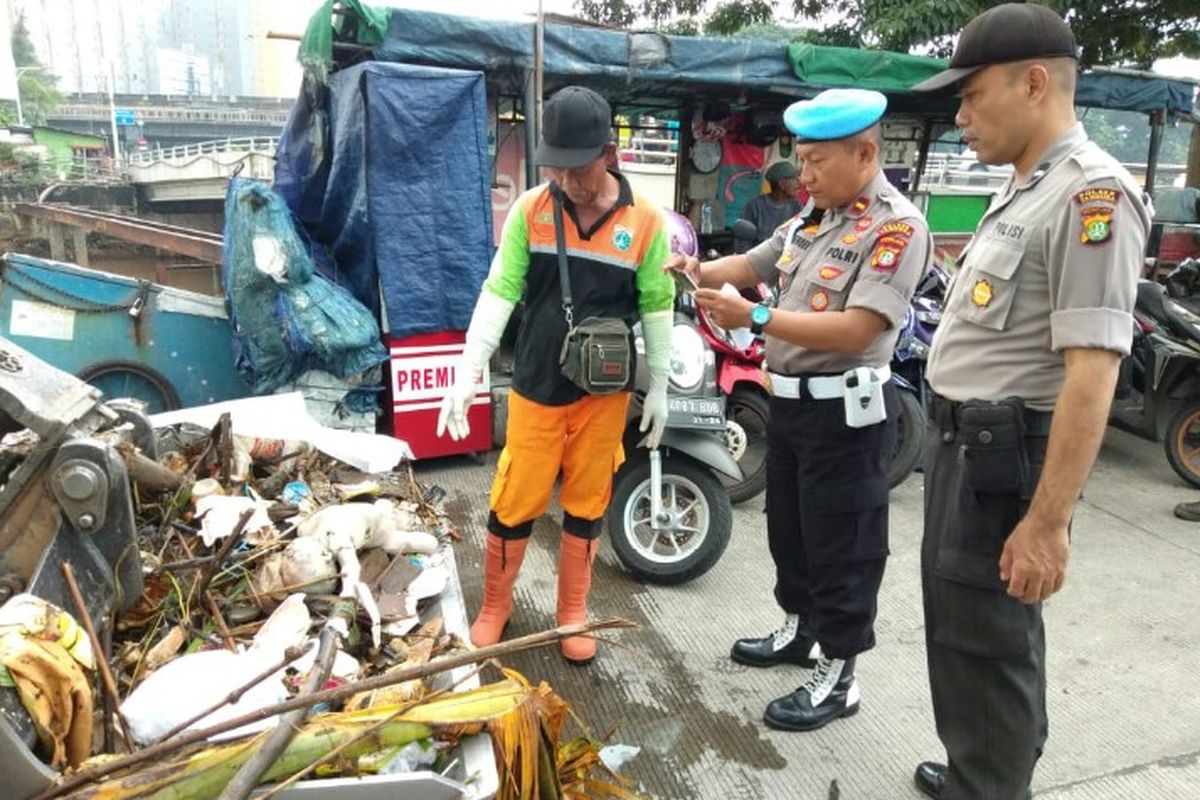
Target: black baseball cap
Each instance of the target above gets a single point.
(1000, 35)
(576, 125)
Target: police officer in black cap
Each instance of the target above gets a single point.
(1023, 368)
(846, 275)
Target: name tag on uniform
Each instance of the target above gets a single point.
(844, 254)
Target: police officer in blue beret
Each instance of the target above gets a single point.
(846, 274)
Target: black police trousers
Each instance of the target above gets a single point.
(986, 651)
(827, 516)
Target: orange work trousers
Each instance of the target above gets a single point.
(581, 440)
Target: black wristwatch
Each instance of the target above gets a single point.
(760, 315)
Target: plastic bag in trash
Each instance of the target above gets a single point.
(191, 683)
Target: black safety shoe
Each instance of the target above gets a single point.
(791, 644)
(1188, 511)
(930, 777)
(830, 693)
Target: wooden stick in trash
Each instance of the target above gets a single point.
(110, 685)
(289, 655)
(448, 662)
(250, 774)
(219, 619)
(230, 542)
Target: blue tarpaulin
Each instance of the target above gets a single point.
(645, 69)
(387, 169)
(629, 68)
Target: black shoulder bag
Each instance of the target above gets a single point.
(596, 353)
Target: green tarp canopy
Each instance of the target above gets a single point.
(863, 69)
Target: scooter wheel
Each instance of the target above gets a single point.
(747, 411)
(1182, 442)
(700, 520)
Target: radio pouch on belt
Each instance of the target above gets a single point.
(862, 391)
(597, 353)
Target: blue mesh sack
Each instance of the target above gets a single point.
(286, 318)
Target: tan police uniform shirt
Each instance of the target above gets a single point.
(1053, 265)
(869, 254)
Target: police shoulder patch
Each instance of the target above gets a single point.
(893, 237)
(1097, 206)
(1098, 194)
(898, 228)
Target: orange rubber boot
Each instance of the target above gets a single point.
(574, 580)
(501, 563)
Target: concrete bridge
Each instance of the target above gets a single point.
(170, 120)
(200, 171)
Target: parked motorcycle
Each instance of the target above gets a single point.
(1158, 393)
(739, 376)
(909, 360)
(741, 379)
(670, 517)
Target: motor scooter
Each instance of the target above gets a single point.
(1158, 391)
(909, 360)
(670, 517)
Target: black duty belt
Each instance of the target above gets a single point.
(945, 413)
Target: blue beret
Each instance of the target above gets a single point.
(834, 114)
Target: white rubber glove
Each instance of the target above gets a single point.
(656, 332)
(483, 337)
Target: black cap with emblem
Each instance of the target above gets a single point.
(1001, 35)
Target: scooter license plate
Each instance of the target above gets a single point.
(697, 413)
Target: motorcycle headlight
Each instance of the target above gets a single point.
(687, 357)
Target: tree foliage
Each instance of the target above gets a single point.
(657, 14)
(732, 16)
(37, 85)
(1110, 32)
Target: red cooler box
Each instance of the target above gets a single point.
(422, 372)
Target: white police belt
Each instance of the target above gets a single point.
(828, 387)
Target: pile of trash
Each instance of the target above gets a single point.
(289, 628)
